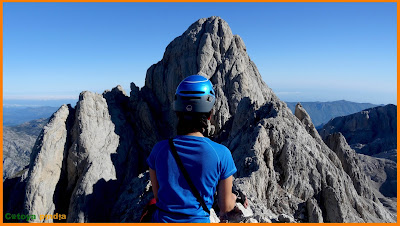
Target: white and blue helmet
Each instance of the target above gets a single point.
(194, 94)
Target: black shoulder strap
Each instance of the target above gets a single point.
(187, 177)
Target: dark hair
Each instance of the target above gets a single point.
(189, 122)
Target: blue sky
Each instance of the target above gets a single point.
(304, 51)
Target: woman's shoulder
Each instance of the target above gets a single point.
(160, 145)
(218, 146)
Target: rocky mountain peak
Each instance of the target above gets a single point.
(210, 49)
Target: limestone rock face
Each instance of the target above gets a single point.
(383, 179)
(383, 174)
(371, 132)
(91, 171)
(284, 168)
(373, 178)
(210, 49)
(314, 212)
(45, 165)
(281, 166)
(303, 116)
(351, 164)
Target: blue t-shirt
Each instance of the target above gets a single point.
(207, 163)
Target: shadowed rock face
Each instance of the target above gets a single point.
(383, 174)
(287, 174)
(370, 132)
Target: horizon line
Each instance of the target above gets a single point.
(62, 98)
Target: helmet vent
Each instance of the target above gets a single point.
(212, 92)
(192, 92)
(190, 98)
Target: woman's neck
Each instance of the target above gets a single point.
(196, 134)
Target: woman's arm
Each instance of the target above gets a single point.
(227, 199)
(154, 183)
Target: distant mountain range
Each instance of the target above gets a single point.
(38, 102)
(322, 112)
(16, 115)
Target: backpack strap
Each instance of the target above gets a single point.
(187, 177)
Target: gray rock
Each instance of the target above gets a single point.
(285, 219)
(369, 132)
(351, 164)
(240, 215)
(45, 166)
(303, 116)
(335, 209)
(382, 174)
(130, 203)
(314, 212)
(246, 212)
(373, 132)
(373, 178)
(91, 172)
(390, 204)
(251, 220)
(281, 164)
